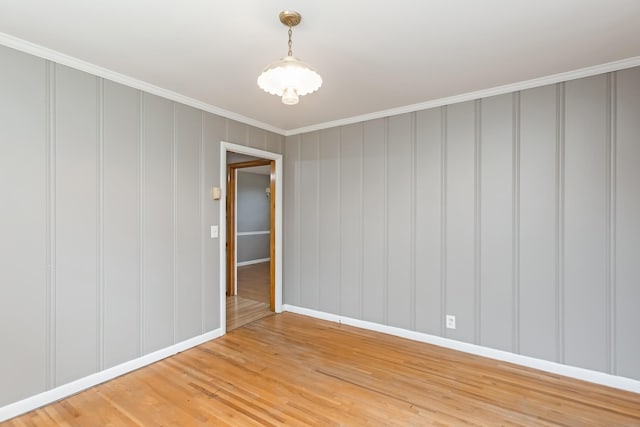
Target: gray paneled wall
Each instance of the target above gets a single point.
(25, 227)
(253, 215)
(75, 199)
(624, 278)
(519, 214)
(537, 279)
(105, 252)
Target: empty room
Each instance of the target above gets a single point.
(320, 213)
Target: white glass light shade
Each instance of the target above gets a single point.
(289, 78)
(290, 96)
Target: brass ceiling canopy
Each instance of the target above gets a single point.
(290, 18)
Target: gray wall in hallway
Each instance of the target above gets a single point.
(519, 214)
(105, 250)
(253, 215)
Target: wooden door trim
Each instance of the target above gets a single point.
(272, 236)
(231, 230)
(231, 226)
(251, 163)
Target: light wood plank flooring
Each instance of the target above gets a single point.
(253, 282)
(291, 369)
(241, 311)
(252, 301)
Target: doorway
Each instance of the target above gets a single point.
(250, 242)
(242, 307)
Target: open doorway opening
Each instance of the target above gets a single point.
(251, 252)
(249, 239)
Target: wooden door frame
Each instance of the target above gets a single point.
(276, 188)
(232, 192)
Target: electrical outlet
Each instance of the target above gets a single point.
(451, 321)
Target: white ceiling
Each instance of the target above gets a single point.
(373, 55)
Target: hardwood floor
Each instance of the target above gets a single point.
(253, 282)
(241, 311)
(291, 369)
(252, 301)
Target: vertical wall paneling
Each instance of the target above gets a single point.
(201, 223)
(609, 214)
(399, 175)
(298, 217)
(50, 315)
(515, 225)
(626, 237)
(443, 218)
(461, 219)
(214, 132)
(309, 286)
(256, 138)
(141, 214)
(121, 223)
(428, 188)
(23, 254)
(560, 219)
(329, 221)
(188, 134)
(412, 224)
(496, 212)
(361, 225)
(273, 142)
(237, 133)
(290, 217)
(174, 221)
(612, 172)
(76, 224)
(385, 174)
(585, 213)
(538, 186)
(477, 220)
(100, 231)
(157, 224)
(350, 205)
(373, 221)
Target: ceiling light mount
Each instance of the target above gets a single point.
(289, 77)
(290, 18)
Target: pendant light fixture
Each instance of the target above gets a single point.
(289, 77)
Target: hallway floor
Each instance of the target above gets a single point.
(252, 301)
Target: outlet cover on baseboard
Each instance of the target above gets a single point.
(451, 321)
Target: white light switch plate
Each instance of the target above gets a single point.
(214, 231)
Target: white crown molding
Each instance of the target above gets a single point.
(78, 64)
(61, 58)
(484, 93)
(596, 377)
(66, 390)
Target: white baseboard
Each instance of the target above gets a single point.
(596, 377)
(60, 392)
(252, 261)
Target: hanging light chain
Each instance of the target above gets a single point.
(290, 32)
